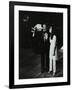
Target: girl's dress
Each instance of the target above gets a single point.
(53, 54)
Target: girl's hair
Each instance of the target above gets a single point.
(54, 32)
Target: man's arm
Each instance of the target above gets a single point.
(33, 32)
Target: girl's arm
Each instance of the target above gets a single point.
(54, 38)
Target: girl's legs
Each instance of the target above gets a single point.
(54, 66)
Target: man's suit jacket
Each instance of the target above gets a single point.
(40, 45)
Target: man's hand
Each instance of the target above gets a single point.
(33, 31)
(45, 36)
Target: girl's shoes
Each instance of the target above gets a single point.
(54, 73)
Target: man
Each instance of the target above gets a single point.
(45, 50)
(41, 41)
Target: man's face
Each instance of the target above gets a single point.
(44, 27)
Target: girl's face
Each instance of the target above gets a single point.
(50, 29)
(44, 26)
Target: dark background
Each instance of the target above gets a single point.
(33, 18)
(29, 61)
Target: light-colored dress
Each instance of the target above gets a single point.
(53, 48)
(53, 54)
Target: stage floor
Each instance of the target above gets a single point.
(30, 65)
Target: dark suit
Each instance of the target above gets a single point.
(38, 42)
(45, 54)
(42, 47)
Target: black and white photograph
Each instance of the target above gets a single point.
(39, 44)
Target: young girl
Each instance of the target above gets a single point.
(52, 52)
